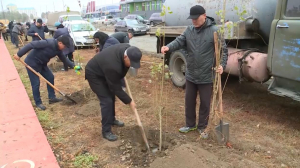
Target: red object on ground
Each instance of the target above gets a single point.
(23, 143)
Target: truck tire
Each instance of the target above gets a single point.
(177, 67)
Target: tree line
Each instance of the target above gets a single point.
(21, 17)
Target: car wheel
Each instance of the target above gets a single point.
(151, 24)
(177, 66)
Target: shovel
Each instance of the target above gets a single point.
(50, 84)
(222, 130)
(138, 117)
(21, 40)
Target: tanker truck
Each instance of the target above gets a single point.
(262, 46)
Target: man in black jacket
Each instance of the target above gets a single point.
(37, 30)
(122, 37)
(41, 53)
(104, 73)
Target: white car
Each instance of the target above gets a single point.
(82, 32)
(104, 20)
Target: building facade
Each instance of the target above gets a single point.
(141, 7)
(12, 8)
(28, 11)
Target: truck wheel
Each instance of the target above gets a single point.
(177, 67)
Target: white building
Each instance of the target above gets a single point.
(28, 11)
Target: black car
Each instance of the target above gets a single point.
(155, 19)
(133, 26)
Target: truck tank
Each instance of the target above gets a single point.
(262, 10)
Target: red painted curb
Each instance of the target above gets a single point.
(23, 143)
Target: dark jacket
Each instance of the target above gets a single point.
(109, 68)
(201, 51)
(109, 42)
(60, 26)
(122, 37)
(42, 51)
(40, 30)
(10, 25)
(64, 31)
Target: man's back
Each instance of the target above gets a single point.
(122, 37)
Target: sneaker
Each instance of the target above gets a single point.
(55, 100)
(203, 133)
(109, 136)
(41, 106)
(118, 123)
(187, 129)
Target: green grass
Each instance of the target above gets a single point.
(85, 160)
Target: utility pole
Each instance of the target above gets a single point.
(3, 10)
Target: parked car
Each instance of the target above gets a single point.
(115, 20)
(105, 20)
(155, 19)
(129, 25)
(139, 18)
(81, 32)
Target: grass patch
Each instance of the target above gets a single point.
(85, 160)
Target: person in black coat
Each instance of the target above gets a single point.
(27, 28)
(104, 73)
(122, 37)
(67, 51)
(104, 41)
(41, 53)
(37, 30)
(10, 27)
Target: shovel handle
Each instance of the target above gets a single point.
(137, 116)
(39, 75)
(21, 40)
(40, 37)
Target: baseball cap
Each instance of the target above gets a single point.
(40, 21)
(196, 11)
(135, 56)
(65, 40)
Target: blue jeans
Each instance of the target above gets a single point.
(35, 81)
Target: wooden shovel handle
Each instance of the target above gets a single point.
(40, 37)
(137, 116)
(217, 53)
(21, 40)
(39, 75)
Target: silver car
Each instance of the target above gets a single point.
(133, 26)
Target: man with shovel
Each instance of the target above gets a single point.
(38, 30)
(104, 73)
(199, 41)
(41, 53)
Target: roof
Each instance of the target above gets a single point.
(11, 4)
(77, 22)
(30, 8)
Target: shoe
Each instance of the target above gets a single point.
(187, 129)
(41, 106)
(109, 136)
(118, 123)
(203, 133)
(55, 100)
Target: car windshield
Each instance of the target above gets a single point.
(83, 27)
(131, 22)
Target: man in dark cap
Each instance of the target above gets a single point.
(104, 73)
(199, 42)
(41, 53)
(37, 30)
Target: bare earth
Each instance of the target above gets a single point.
(264, 129)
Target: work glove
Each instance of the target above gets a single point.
(77, 69)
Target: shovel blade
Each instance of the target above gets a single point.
(222, 133)
(69, 98)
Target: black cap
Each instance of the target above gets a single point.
(135, 56)
(65, 40)
(40, 21)
(196, 11)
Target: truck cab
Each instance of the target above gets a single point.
(284, 50)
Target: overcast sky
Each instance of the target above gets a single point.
(51, 5)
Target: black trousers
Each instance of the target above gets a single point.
(191, 92)
(106, 98)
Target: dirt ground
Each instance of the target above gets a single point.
(264, 128)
